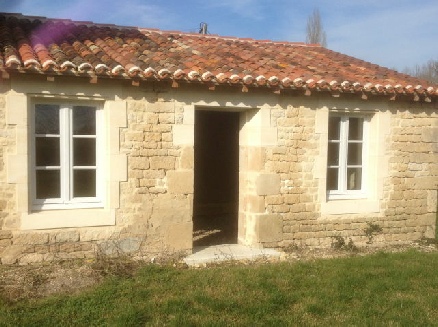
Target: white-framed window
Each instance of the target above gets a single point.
(67, 155)
(347, 156)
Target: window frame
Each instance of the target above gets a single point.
(342, 192)
(66, 199)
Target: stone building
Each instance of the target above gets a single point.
(126, 140)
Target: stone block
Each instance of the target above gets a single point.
(67, 247)
(254, 204)
(17, 169)
(97, 234)
(161, 106)
(32, 258)
(5, 234)
(269, 228)
(187, 158)
(169, 210)
(166, 118)
(31, 238)
(256, 158)
(180, 182)
(189, 115)
(67, 236)
(16, 109)
(268, 184)
(183, 134)
(12, 254)
(162, 162)
(432, 197)
(178, 237)
(429, 134)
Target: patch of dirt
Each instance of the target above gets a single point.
(70, 277)
(41, 280)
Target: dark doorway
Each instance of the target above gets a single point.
(216, 190)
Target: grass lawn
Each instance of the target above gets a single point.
(383, 289)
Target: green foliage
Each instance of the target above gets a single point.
(371, 230)
(398, 289)
(339, 243)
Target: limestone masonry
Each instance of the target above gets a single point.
(149, 169)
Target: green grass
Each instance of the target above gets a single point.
(399, 289)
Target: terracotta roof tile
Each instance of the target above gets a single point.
(63, 46)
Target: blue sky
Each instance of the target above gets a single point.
(391, 33)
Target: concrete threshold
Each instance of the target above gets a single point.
(229, 252)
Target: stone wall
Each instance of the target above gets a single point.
(282, 198)
(156, 200)
(411, 189)
(407, 197)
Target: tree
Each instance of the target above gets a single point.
(315, 32)
(427, 71)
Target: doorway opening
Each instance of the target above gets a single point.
(216, 178)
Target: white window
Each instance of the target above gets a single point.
(346, 156)
(67, 159)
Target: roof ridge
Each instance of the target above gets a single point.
(162, 31)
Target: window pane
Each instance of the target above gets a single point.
(47, 151)
(354, 154)
(354, 178)
(334, 128)
(332, 179)
(84, 184)
(333, 154)
(84, 120)
(46, 119)
(355, 129)
(84, 152)
(48, 184)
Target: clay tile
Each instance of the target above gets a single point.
(235, 78)
(193, 75)
(334, 85)
(32, 62)
(163, 73)
(273, 80)
(13, 60)
(398, 88)
(368, 86)
(117, 70)
(310, 83)
(378, 87)
(149, 72)
(323, 85)
(101, 68)
(261, 80)
(286, 82)
(298, 82)
(345, 85)
(48, 64)
(84, 67)
(409, 89)
(389, 88)
(357, 86)
(221, 78)
(248, 79)
(179, 74)
(419, 89)
(133, 69)
(207, 76)
(67, 65)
